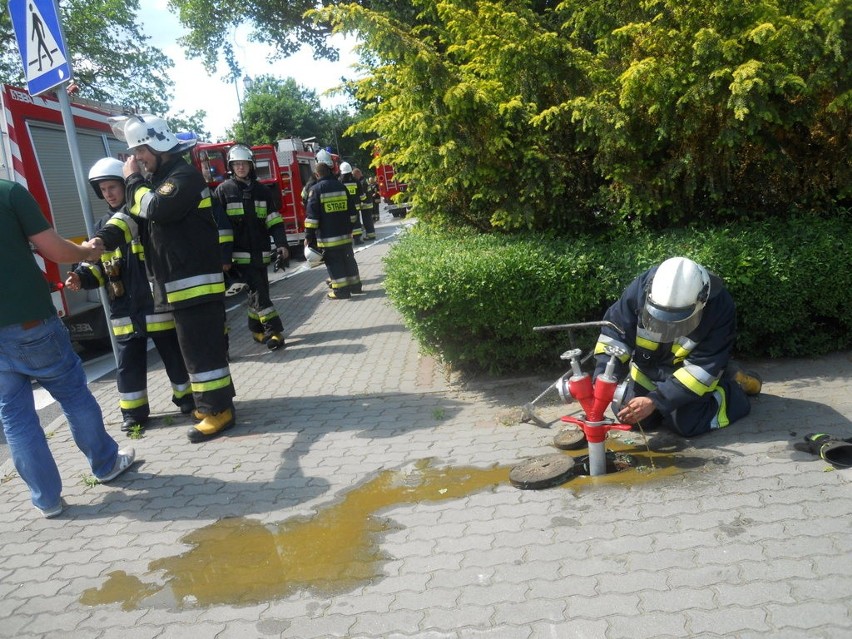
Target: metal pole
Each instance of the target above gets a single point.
(82, 190)
(240, 105)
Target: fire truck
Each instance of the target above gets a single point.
(285, 167)
(390, 190)
(34, 153)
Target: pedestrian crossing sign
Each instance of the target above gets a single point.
(39, 35)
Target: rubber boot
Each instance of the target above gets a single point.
(260, 338)
(750, 382)
(275, 342)
(212, 425)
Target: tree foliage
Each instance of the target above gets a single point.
(520, 114)
(110, 56)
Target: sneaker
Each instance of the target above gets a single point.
(750, 382)
(50, 513)
(124, 461)
(275, 342)
(213, 425)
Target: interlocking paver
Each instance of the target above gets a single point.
(749, 538)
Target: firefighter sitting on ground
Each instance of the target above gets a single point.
(131, 308)
(680, 326)
(328, 226)
(174, 206)
(354, 188)
(251, 211)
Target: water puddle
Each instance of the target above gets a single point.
(240, 561)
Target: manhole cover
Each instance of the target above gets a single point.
(542, 472)
(570, 439)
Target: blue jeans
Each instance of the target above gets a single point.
(44, 353)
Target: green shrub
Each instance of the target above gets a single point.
(473, 300)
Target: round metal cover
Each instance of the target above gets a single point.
(570, 439)
(542, 472)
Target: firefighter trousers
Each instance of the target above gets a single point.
(262, 316)
(342, 270)
(717, 409)
(201, 336)
(368, 223)
(132, 374)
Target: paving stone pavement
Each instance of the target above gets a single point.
(365, 493)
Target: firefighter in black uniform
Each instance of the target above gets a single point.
(181, 241)
(679, 325)
(328, 226)
(358, 197)
(131, 307)
(366, 204)
(250, 209)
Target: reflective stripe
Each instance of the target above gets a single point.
(181, 390)
(142, 201)
(337, 240)
(206, 202)
(696, 379)
(234, 209)
(606, 340)
(137, 249)
(210, 380)
(260, 209)
(195, 286)
(95, 271)
(721, 419)
(128, 226)
(641, 378)
(225, 236)
(122, 326)
(272, 219)
(240, 257)
(157, 322)
(129, 401)
(267, 314)
(108, 256)
(311, 223)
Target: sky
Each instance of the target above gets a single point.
(196, 90)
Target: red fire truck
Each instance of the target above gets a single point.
(285, 167)
(389, 189)
(34, 153)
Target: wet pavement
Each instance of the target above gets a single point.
(365, 493)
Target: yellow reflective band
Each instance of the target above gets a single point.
(195, 291)
(722, 419)
(97, 274)
(647, 344)
(234, 209)
(205, 203)
(332, 243)
(692, 383)
(311, 224)
(159, 327)
(226, 236)
(129, 401)
(119, 223)
(641, 378)
(136, 206)
(181, 390)
(216, 384)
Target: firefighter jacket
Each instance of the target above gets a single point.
(122, 272)
(180, 237)
(251, 213)
(330, 214)
(677, 373)
(356, 192)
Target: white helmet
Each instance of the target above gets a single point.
(345, 167)
(313, 256)
(151, 130)
(324, 157)
(240, 152)
(675, 299)
(103, 170)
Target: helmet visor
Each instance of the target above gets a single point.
(671, 323)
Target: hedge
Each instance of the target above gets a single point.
(473, 299)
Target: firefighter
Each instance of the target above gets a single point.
(328, 227)
(358, 197)
(252, 213)
(373, 193)
(131, 307)
(679, 325)
(181, 239)
(367, 216)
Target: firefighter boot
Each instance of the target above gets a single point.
(260, 338)
(275, 341)
(131, 424)
(750, 382)
(212, 425)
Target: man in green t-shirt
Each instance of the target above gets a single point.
(34, 345)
